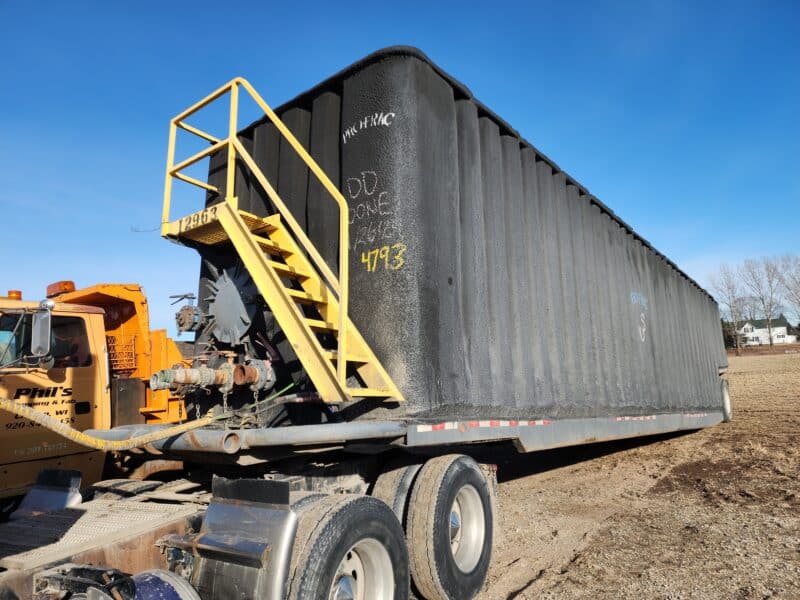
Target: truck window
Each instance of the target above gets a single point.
(70, 344)
(14, 337)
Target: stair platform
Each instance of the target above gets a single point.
(204, 227)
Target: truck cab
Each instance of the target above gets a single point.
(99, 356)
(72, 384)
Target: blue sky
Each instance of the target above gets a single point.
(681, 116)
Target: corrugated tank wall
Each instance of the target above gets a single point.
(486, 279)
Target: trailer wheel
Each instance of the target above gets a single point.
(348, 547)
(727, 408)
(394, 487)
(450, 528)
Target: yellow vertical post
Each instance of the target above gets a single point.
(168, 178)
(344, 267)
(230, 192)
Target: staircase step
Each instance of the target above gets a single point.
(355, 358)
(270, 223)
(317, 325)
(268, 245)
(367, 393)
(287, 271)
(303, 296)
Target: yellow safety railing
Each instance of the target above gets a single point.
(235, 149)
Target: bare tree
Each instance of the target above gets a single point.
(790, 278)
(762, 278)
(728, 291)
(750, 308)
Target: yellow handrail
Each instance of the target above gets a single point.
(235, 148)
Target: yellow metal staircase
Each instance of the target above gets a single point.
(287, 269)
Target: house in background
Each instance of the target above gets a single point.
(755, 332)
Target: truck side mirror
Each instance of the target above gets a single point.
(40, 330)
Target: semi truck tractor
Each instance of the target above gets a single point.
(393, 284)
(95, 375)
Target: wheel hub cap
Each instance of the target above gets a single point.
(455, 526)
(365, 573)
(343, 589)
(467, 528)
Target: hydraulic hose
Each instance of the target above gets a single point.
(53, 424)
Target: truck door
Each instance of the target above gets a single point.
(72, 390)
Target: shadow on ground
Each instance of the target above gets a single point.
(512, 464)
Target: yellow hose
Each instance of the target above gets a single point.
(90, 441)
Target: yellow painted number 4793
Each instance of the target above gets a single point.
(389, 257)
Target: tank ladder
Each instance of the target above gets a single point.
(285, 266)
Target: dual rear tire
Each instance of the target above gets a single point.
(446, 506)
(351, 547)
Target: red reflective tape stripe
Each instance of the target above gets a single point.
(473, 424)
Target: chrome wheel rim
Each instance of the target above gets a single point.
(364, 573)
(467, 528)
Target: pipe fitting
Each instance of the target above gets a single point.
(257, 373)
(202, 376)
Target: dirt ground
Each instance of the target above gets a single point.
(709, 514)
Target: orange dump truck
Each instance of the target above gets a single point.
(102, 353)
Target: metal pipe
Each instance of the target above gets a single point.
(203, 376)
(223, 441)
(219, 441)
(257, 373)
(321, 434)
(232, 441)
(123, 432)
(243, 374)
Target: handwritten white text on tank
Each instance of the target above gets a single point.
(378, 119)
(372, 202)
(640, 300)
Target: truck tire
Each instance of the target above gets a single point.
(727, 407)
(393, 486)
(449, 529)
(348, 547)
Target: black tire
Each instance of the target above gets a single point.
(434, 571)
(393, 486)
(332, 528)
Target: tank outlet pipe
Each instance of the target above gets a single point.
(258, 374)
(93, 440)
(216, 441)
(321, 434)
(232, 441)
(202, 376)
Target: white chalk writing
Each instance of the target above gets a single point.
(378, 119)
(640, 300)
(371, 211)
